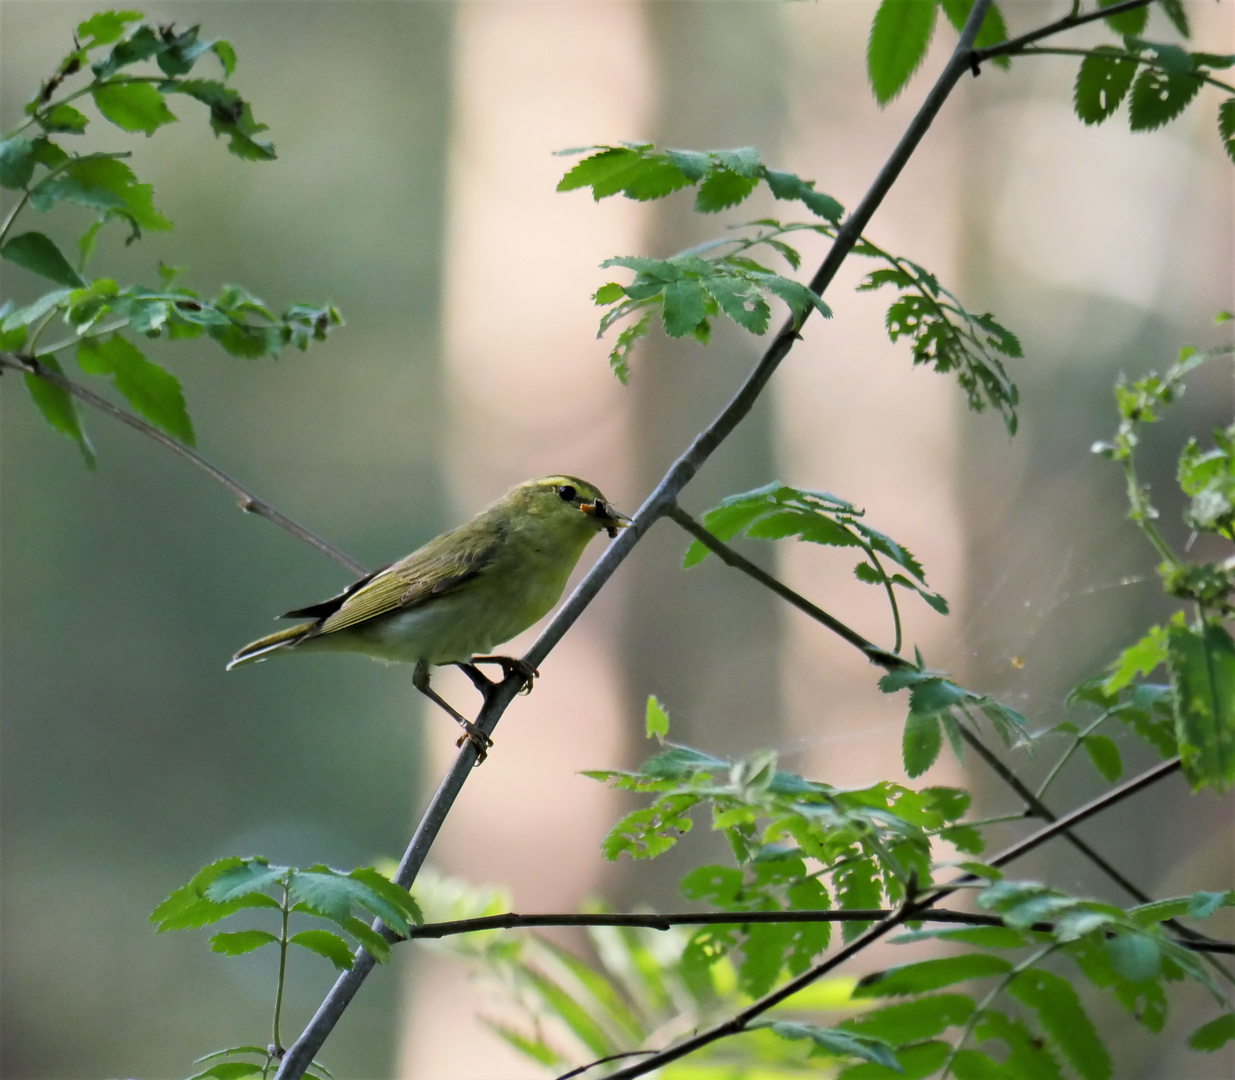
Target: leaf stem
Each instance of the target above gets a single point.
(985, 1004)
(277, 1042)
(1068, 22)
(1144, 61)
(1076, 742)
(887, 584)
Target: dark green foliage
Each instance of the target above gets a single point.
(835, 1040)
(1059, 1011)
(49, 177)
(724, 177)
(1226, 126)
(930, 975)
(1160, 96)
(1126, 22)
(1102, 82)
(776, 511)
(945, 336)
(1215, 1034)
(1202, 663)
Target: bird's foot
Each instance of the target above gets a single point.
(510, 665)
(473, 734)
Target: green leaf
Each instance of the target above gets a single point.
(1226, 126)
(991, 32)
(836, 1041)
(231, 1051)
(230, 115)
(16, 162)
(1027, 1056)
(1134, 957)
(534, 1047)
(1158, 97)
(921, 742)
(105, 27)
(1202, 666)
(1104, 754)
(242, 941)
(1174, 10)
(1215, 1034)
(326, 944)
(106, 184)
(1102, 82)
(913, 1021)
(59, 409)
(683, 307)
(1201, 905)
(723, 189)
(899, 37)
(153, 392)
(739, 299)
(1139, 659)
(244, 877)
(916, 1062)
(63, 118)
(1064, 1021)
(332, 895)
(390, 892)
(189, 907)
(229, 1070)
(657, 719)
(132, 106)
(35, 252)
(930, 975)
(1126, 22)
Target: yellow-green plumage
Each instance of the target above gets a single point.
(465, 591)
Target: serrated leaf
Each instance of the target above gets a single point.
(62, 118)
(132, 106)
(723, 189)
(915, 1063)
(35, 252)
(242, 878)
(1202, 667)
(332, 895)
(899, 37)
(1158, 97)
(1174, 10)
(1226, 126)
(1215, 1034)
(1102, 83)
(930, 975)
(991, 32)
(326, 944)
(59, 409)
(683, 307)
(921, 742)
(103, 183)
(389, 891)
(242, 941)
(152, 392)
(1059, 1012)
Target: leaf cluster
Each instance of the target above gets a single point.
(233, 884)
(49, 176)
(777, 511)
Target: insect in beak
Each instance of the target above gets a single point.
(605, 515)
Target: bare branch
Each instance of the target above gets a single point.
(248, 502)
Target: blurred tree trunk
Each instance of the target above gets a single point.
(718, 73)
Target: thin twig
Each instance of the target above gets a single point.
(881, 657)
(1068, 22)
(648, 921)
(603, 1061)
(248, 502)
(912, 910)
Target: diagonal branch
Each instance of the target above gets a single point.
(654, 507)
(248, 502)
(912, 910)
(890, 661)
(1068, 22)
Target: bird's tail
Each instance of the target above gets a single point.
(260, 649)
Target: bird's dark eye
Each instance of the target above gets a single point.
(567, 493)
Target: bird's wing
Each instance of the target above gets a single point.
(422, 576)
(326, 608)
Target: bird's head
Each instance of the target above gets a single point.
(565, 503)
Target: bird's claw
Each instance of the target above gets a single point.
(473, 734)
(511, 665)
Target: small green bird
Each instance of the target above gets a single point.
(462, 593)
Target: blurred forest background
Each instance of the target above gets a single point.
(414, 188)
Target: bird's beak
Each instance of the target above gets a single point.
(609, 519)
